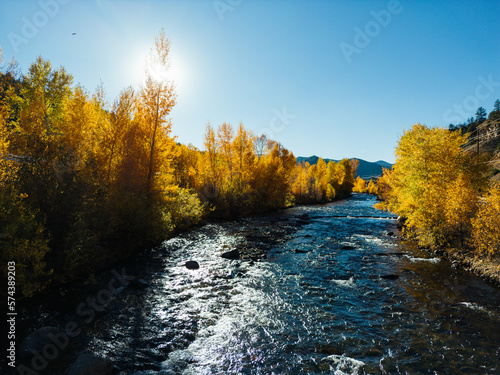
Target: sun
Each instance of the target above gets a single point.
(161, 73)
(175, 72)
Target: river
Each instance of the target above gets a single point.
(336, 293)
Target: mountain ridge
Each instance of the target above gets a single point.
(366, 169)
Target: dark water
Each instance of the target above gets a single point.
(336, 295)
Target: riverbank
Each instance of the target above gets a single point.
(487, 269)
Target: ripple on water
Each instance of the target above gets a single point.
(349, 283)
(342, 365)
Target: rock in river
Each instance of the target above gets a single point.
(390, 277)
(233, 254)
(192, 265)
(348, 248)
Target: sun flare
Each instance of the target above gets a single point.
(174, 72)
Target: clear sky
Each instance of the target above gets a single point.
(330, 78)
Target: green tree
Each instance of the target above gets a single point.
(481, 115)
(495, 114)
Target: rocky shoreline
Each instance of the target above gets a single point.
(488, 270)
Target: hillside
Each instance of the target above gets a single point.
(366, 169)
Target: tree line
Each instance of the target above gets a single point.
(471, 124)
(444, 194)
(360, 186)
(85, 182)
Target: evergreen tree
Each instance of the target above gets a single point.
(480, 115)
(495, 114)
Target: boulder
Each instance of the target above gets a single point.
(349, 248)
(37, 340)
(390, 277)
(192, 265)
(89, 364)
(233, 254)
(298, 251)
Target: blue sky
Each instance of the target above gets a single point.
(331, 78)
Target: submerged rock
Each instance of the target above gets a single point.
(348, 248)
(303, 222)
(233, 254)
(89, 364)
(192, 265)
(301, 251)
(390, 277)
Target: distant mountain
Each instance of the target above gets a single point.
(384, 164)
(366, 169)
(312, 159)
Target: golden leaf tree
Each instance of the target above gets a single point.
(486, 227)
(372, 187)
(429, 163)
(155, 101)
(359, 185)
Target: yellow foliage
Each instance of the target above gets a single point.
(341, 176)
(384, 184)
(372, 188)
(322, 182)
(486, 225)
(429, 162)
(7, 166)
(461, 204)
(301, 182)
(359, 186)
(330, 193)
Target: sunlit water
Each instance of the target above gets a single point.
(336, 295)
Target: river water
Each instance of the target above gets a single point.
(336, 294)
